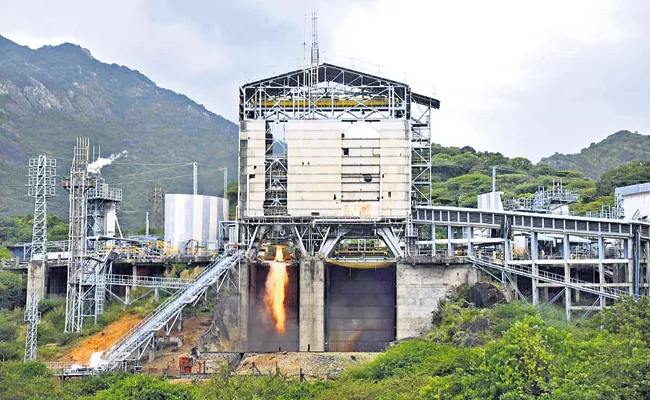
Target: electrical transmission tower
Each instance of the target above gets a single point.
(32, 317)
(157, 197)
(42, 181)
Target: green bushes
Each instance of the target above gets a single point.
(518, 351)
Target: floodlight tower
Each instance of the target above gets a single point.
(42, 181)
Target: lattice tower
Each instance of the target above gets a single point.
(77, 293)
(42, 181)
(32, 317)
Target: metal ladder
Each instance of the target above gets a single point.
(527, 271)
(143, 332)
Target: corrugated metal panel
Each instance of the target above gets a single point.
(195, 217)
(360, 308)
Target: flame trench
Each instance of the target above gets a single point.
(276, 283)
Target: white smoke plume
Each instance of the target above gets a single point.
(95, 166)
(96, 359)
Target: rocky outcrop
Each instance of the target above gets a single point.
(485, 295)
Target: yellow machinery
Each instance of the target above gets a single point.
(325, 102)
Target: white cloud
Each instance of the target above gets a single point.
(525, 78)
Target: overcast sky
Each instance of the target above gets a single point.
(522, 77)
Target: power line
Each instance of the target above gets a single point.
(171, 177)
(150, 172)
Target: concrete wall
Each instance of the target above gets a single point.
(636, 202)
(36, 279)
(419, 287)
(251, 168)
(335, 168)
(314, 158)
(312, 305)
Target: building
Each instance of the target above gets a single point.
(634, 200)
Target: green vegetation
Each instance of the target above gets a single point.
(18, 229)
(460, 174)
(61, 92)
(514, 351)
(615, 150)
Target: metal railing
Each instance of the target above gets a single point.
(144, 331)
(148, 281)
(72, 368)
(572, 283)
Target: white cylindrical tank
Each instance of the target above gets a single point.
(190, 217)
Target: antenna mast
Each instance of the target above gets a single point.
(313, 72)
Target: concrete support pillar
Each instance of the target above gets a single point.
(646, 246)
(450, 235)
(534, 257)
(134, 272)
(629, 278)
(311, 311)
(576, 292)
(127, 295)
(244, 301)
(506, 256)
(566, 249)
(36, 279)
(156, 294)
(601, 267)
(433, 239)
(470, 235)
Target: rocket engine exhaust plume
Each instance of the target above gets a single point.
(276, 283)
(95, 166)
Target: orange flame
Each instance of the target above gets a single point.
(276, 282)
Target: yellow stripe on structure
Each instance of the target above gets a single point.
(361, 264)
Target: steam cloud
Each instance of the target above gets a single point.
(95, 166)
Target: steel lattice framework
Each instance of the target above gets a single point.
(32, 317)
(86, 272)
(329, 92)
(42, 181)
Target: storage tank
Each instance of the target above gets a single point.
(193, 218)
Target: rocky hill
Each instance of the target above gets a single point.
(616, 150)
(52, 95)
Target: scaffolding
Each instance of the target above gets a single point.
(544, 200)
(42, 181)
(86, 291)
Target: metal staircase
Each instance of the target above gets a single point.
(143, 333)
(545, 276)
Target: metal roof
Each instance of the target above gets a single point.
(345, 76)
(632, 189)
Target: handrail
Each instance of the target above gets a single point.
(163, 313)
(147, 281)
(526, 270)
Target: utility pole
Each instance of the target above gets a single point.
(157, 197)
(494, 179)
(225, 182)
(195, 175)
(146, 230)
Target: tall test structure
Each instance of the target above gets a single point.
(87, 268)
(328, 153)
